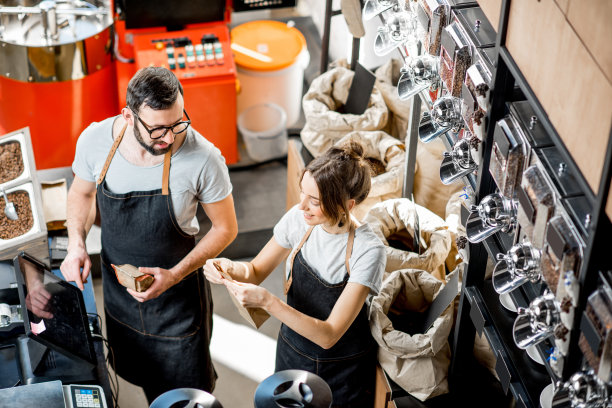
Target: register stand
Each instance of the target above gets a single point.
(56, 357)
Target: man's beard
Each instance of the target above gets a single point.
(149, 148)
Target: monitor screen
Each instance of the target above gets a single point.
(154, 13)
(54, 311)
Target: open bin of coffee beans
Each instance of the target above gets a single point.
(22, 223)
(14, 160)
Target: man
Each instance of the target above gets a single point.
(148, 169)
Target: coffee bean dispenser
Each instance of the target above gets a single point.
(455, 58)
(509, 155)
(475, 93)
(596, 330)
(432, 16)
(537, 200)
(22, 224)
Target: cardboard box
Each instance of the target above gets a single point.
(567, 81)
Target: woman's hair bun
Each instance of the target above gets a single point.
(353, 150)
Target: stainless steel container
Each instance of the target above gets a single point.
(29, 231)
(455, 58)
(50, 41)
(509, 155)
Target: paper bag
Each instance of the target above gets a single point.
(54, 198)
(254, 315)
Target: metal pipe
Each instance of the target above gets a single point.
(49, 19)
(326, 34)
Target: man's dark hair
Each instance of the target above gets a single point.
(155, 87)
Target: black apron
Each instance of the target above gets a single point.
(349, 366)
(163, 343)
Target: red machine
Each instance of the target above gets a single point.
(200, 56)
(56, 73)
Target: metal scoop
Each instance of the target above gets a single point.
(9, 208)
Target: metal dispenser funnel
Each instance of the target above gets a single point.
(494, 213)
(519, 265)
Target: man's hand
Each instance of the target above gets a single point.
(38, 302)
(164, 279)
(76, 259)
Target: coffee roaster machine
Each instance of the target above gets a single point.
(66, 63)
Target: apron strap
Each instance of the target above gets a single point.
(111, 154)
(349, 251)
(349, 248)
(301, 244)
(166, 174)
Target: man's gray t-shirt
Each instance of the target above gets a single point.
(325, 253)
(198, 173)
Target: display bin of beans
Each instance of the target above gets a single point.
(24, 229)
(14, 159)
(432, 17)
(475, 93)
(455, 58)
(562, 251)
(509, 155)
(537, 199)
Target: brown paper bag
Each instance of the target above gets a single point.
(254, 315)
(54, 198)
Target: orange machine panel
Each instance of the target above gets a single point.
(202, 60)
(57, 112)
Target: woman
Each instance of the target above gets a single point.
(335, 264)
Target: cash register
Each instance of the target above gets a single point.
(53, 358)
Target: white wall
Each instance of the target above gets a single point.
(340, 38)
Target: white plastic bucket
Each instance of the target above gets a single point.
(263, 128)
(270, 58)
(282, 87)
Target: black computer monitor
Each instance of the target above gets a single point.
(155, 13)
(55, 318)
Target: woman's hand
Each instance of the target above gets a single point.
(249, 295)
(212, 273)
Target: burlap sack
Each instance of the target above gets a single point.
(456, 255)
(418, 363)
(387, 77)
(395, 220)
(324, 125)
(391, 153)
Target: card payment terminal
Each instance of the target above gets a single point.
(77, 396)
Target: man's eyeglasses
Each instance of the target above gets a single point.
(159, 132)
